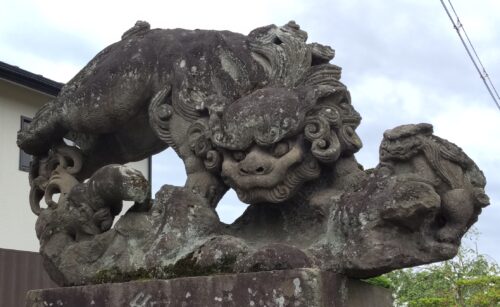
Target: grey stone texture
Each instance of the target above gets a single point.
(263, 114)
(302, 287)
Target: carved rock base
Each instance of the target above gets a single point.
(301, 287)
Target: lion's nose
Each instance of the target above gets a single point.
(256, 162)
(254, 169)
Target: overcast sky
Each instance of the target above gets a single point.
(401, 60)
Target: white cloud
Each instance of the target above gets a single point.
(473, 126)
(108, 19)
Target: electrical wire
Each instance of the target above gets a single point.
(483, 74)
(460, 25)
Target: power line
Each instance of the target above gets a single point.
(460, 25)
(483, 74)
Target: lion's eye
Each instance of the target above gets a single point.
(281, 149)
(239, 155)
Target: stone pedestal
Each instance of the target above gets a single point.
(302, 287)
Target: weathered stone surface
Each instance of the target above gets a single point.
(263, 114)
(305, 287)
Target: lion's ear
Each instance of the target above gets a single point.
(425, 129)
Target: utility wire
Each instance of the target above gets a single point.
(483, 74)
(460, 25)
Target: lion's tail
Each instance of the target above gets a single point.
(42, 132)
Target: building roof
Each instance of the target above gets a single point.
(29, 79)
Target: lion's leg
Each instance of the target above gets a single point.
(172, 128)
(457, 208)
(204, 183)
(199, 180)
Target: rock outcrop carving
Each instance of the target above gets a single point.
(263, 114)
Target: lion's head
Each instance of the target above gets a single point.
(276, 139)
(268, 143)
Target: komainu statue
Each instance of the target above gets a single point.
(263, 114)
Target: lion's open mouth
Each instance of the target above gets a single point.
(307, 170)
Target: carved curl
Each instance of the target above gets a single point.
(61, 158)
(160, 113)
(202, 147)
(325, 145)
(330, 127)
(212, 161)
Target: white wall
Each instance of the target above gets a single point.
(17, 222)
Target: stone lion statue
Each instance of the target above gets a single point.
(263, 114)
(141, 94)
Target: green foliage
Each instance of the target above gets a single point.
(380, 281)
(431, 302)
(482, 291)
(469, 279)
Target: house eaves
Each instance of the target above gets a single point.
(23, 77)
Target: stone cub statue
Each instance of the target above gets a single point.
(414, 150)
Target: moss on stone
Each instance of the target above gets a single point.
(182, 268)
